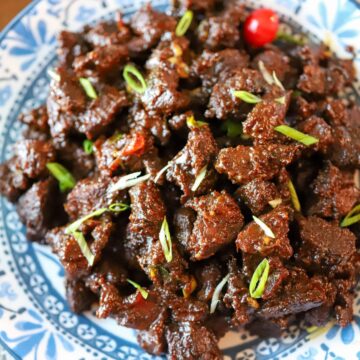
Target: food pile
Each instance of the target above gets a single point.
(195, 172)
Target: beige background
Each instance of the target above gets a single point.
(9, 8)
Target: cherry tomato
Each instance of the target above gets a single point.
(135, 146)
(261, 27)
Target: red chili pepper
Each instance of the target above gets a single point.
(135, 146)
(261, 27)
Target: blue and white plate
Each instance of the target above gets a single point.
(35, 320)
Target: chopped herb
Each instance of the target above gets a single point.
(128, 181)
(259, 279)
(184, 23)
(165, 240)
(267, 231)
(80, 239)
(290, 38)
(62, 175)
(265, 73)
(294, 198)
(352, 217)
(116, 137)
(118, 207)
(192, 123)
(88, 146)
(234, 129)
(281, 100)
(88, 88)
(296, 135)
(142, 291)
(53, 75)
(247, 97)
(215, 298)
(134, 79)
(199, 178)
(277, 82)
(274, 203)
(158, 175)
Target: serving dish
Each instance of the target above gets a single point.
(35, 320)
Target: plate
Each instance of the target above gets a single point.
(35, 320)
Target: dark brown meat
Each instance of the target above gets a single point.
(40, 209)
(79, 297)
(253, 240)
(36, 119)
(218, 221)
(244, 163)
(199, 151)
(191, 341)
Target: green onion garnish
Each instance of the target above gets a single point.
(290, 38)
(215, 298)
(128, 181)
(259, 279)
(199, 178)
(80, 239)
(134, 79)
(277, 82)
(352, 217)
(296, 135)
(115, 208)
(54, 75)
(165, 240)
(184, 23)
(234, 129)
(247, 97)
(142, 291)
(158, 175)
(62, 175)
(88, 88)
(268, 232)
(274, 203)
(192, 123)
(281, 100)
(294, 197)
(88, 146)
(271, 79)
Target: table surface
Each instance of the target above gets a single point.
(9, 9)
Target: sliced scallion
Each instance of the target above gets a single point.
(128, 181)
(184, 23)
(192, 123)
(134, 79)
(281, 100)
(277, 82)
(118, 207)
(352, 217)
(267, 231)
(62, 175)
(246, 96)
(234, 129)
(53, 75)
(217, 292)
(80, 239)
(290, 38)
(294, 197)
(76, 224)
(162, 171)
(199, 178)
(259, 279)
(88, 146)
(296, 135)
(142, 291)
(265, 73)
(88, 88)
(165, 240)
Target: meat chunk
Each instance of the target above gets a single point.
(257, 193)
(334, 193)
(32, 157)
(40, 209)
(191, 341)
(199, 152)
(300, 293)
(79, 297)
(253, 240)
(218, 221)
(36, 119)
(244, 163)
(184, 219)
(71, 44)
(325, 246)
(313, 80)
(208, 276)
(223, 103)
